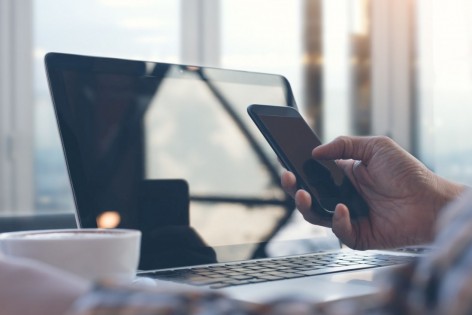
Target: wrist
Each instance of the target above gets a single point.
(444, 192)
(437, 193)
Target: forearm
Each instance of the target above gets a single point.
(447, 191)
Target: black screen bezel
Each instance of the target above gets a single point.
(57, 63)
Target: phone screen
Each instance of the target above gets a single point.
(293, 141)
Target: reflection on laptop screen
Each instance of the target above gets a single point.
(135, 134)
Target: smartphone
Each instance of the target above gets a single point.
(293, 140)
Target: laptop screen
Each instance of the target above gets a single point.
(169, 149)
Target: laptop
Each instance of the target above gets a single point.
(169, 149)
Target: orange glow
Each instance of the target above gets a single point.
(192, 68)
(312, 59)
(108, 220)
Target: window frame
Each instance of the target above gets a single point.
(393, 99)
(200, 32)
(393, 74)
(16, 107)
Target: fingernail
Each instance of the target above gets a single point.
(337, 215)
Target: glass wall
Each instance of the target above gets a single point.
(444, 55)
(265, 36)
(144, 30)
(322, 46)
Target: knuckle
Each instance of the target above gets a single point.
(343, 139)
(345, 145)
(384, 140)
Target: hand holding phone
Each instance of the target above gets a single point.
(293, 140)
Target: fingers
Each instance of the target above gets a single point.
(289, 183)
(302, 198)
(303, 203)
(356, 148)
(342, 226)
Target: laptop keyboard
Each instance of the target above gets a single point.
(232, 274)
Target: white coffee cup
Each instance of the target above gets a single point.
(89, 253)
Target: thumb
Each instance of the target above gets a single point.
(342, 226)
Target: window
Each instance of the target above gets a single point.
(264, 36)
(350, 64)
(445, 87)
(145, 30)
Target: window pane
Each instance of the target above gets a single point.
(139, 29)
(265, 36)
(445, 87)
